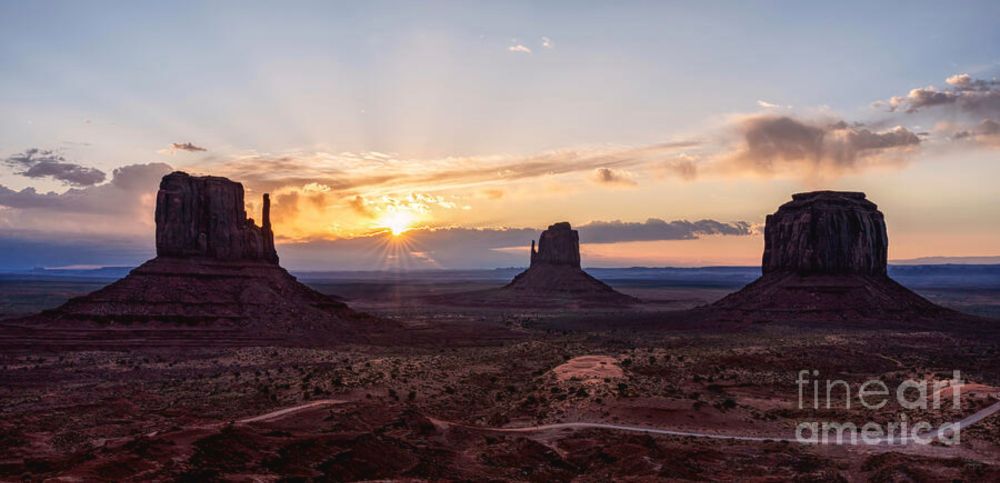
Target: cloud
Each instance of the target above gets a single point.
(519, 48)
(361, 188)
(422, 248)
(547, 43)
(610, 176)
(959, 80)
(360, 207)
(964, 111)
(989, 127)
(684, 167)
(655, 229)
(770, 144)
(920, 98)
(187, 147)
(122, 207)
(986, 133)
(39, 163)
(966, 94)
(769, 105)
(316, 210)
(494, 193)
(459, 247)
(354, 173)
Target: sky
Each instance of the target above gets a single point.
(448, 134)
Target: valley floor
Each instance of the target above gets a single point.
(443, 404)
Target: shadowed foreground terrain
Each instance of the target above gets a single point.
(423, 406)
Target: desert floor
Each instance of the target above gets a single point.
(474, 394)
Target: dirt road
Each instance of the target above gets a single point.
(963, 424)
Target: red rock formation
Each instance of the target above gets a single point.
(825, 258)
(558, 245)
(205, 216)
(826, 232)
(214, 269)
(555, 276)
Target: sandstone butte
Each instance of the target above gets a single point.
(555, 273)
(825, 256)
(214, 268)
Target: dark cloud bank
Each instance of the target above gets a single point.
(419, 249)
(121, 195)
(480, 248)
(656, 229)
(94, 225)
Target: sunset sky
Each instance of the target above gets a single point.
(447, 134)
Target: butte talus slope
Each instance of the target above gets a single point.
(825, 258)
(215, 268)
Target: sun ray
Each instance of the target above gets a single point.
(397, 221)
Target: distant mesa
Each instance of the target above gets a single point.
(825, 256)
(554, 279)
(555, 273)
(215, 268)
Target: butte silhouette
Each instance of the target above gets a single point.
(825, 258)
(214, 268)
(555, 272)
(553, 279)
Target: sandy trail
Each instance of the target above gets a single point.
(274, 415)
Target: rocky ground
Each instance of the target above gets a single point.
(428, 408)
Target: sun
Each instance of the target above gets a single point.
(397, 221)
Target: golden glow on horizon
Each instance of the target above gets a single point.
(397, 221)
(303, 213)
